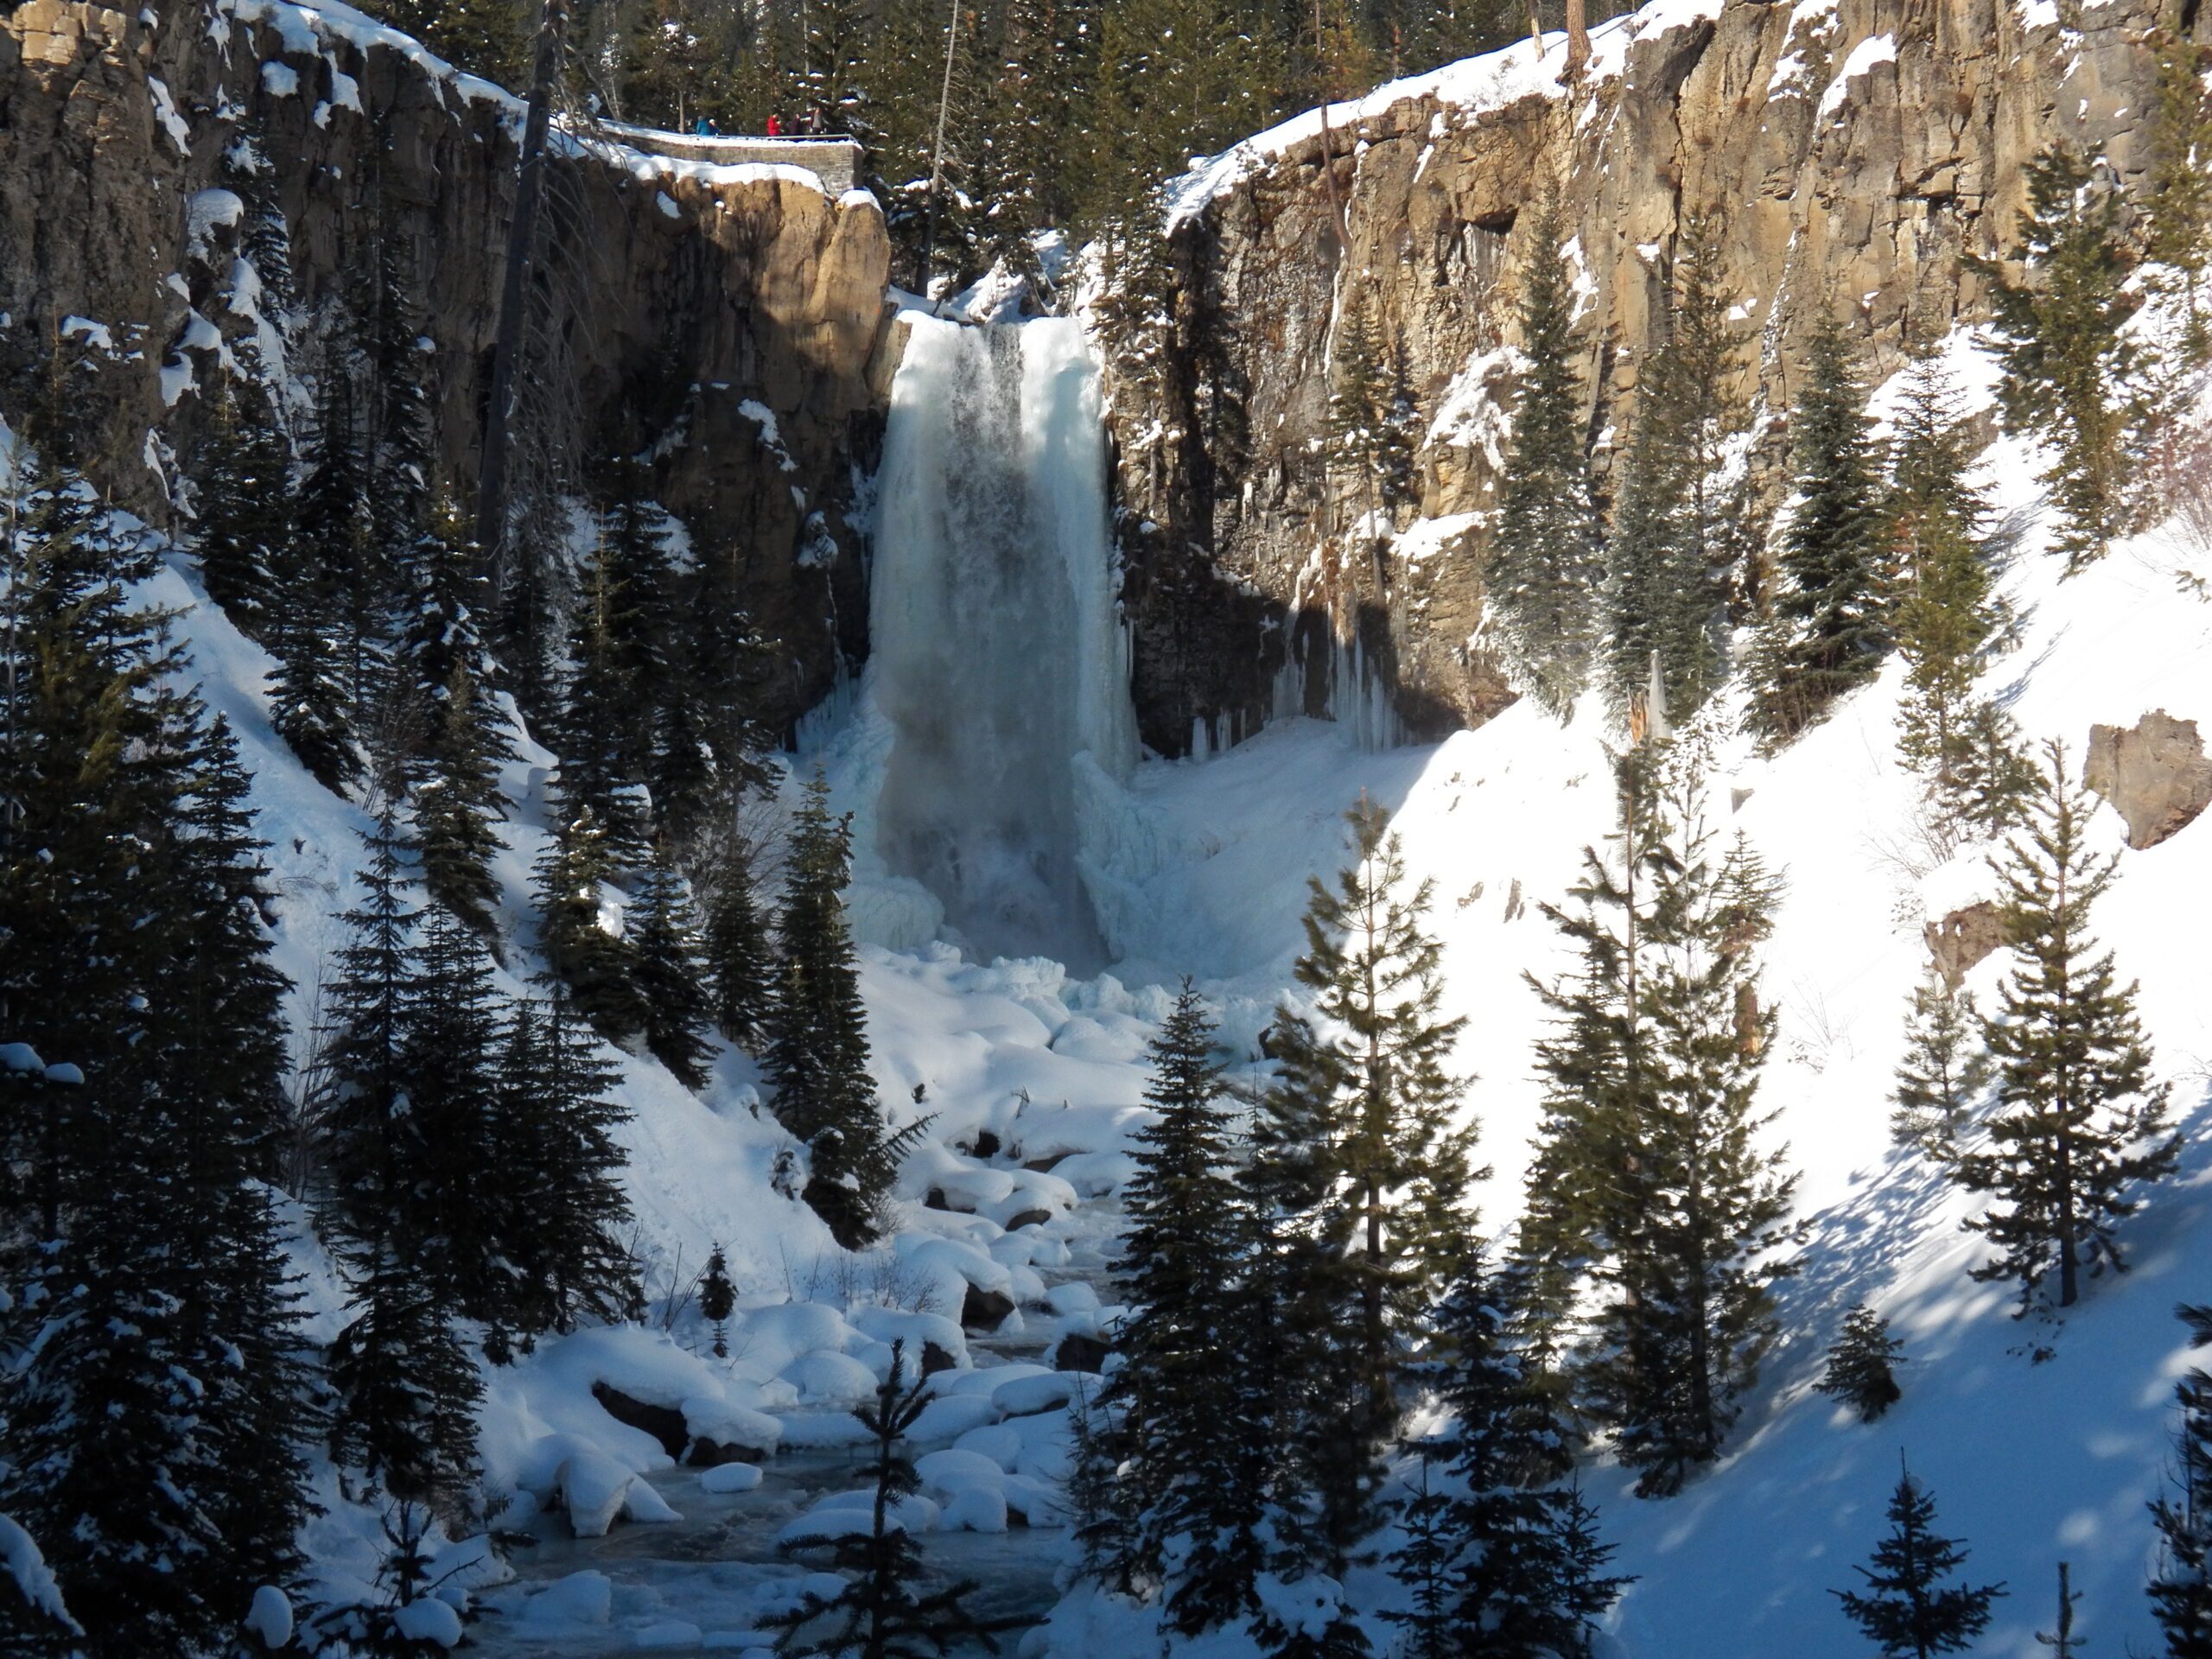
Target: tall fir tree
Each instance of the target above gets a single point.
(735, 943)
(1371, 420)
(1522, 1565)
(2073, 375)
(1829, 627)
(1664, 589)
(562, 1208)
(581, 953)
(2176, 192)
(598, 729)
(2079, 1122)
(668, 972)
(1372, 1163)
(1907, 1609)
(242, 504)
(1546, 555)
(817, 1050)
(464, 736)
(717, 1299)
(1183, 1443)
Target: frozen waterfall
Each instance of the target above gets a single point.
(997, 652)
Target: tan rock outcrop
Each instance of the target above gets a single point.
(679, 294)
(2154, 774)
(1850, 158)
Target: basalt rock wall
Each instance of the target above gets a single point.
(1850, 155)
(723, 317)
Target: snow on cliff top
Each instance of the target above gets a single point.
(1469, 87)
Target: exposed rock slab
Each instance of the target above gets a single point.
(2154, 774)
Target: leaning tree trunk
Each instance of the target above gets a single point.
(522, 242)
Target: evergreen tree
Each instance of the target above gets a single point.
(600, 730)
(2072, 376)
(674, 68)
(1859, 1364)
(446, 1149)
(340, 524)
(881, 1614)
(407, 1578)
(1662, 596)
(1648, 1181)
(1907, 1610)
(559, 1190)
(1183, 1444)
(2181, 1589)
(2061, 1642)
(1524, 1567)
(407, 1391)
(718, 1300)
(817, 1048)
(579, 951)
(2079, 1119)
(1424, 1563)
(668, 974)
(1363, 1120)
(2177, 191)
(1829, 623)
(740, 965)
(1945, 1070)
(242, 504)
(1545, 556)
(1370, 421)
(465, 741)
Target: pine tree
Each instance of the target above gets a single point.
(407, 1578)
(880, 1614)
(2073, 378)
(485, 37)
(1907, 1611)
(1424, 1563)
(1662, 596)
(1578, 1210)
(718, 1300)
(2177, 190)
(2061, 1642)
(242, 502)
(600, 730)
(1545, 555)
(1524, 1567)
(1830, 620)
(1859, 1364)
(465, 740)
(559, 1193)
(2079, 1119)
(339, 522)
(1182, 1445)
(447, 1148)
(1945, 1070)
(579, 951)
(740, 965)
(407, 1391)
(1367, 1109)
(1370, 420)
(2181, 1589)
(666, 970)
(1691, 1310)
(817, 1050)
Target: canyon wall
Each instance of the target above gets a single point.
(1849, 154)
(725, 317)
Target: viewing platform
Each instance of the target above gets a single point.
(832, 158)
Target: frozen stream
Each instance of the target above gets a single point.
(695, 1584)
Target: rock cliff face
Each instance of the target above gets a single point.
(726, 316)
(1851, 153)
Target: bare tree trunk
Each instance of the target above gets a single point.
(1577, 38)
(522, 240)
(937, 153)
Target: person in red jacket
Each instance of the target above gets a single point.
(775, 126)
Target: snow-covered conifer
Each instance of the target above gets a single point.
(1861, 1364)
(1907, 1609)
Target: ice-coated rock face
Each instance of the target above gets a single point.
(737, 306)
(1850, 151)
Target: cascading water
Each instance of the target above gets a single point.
(997, 652)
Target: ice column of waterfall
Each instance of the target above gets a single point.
(996, 647)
